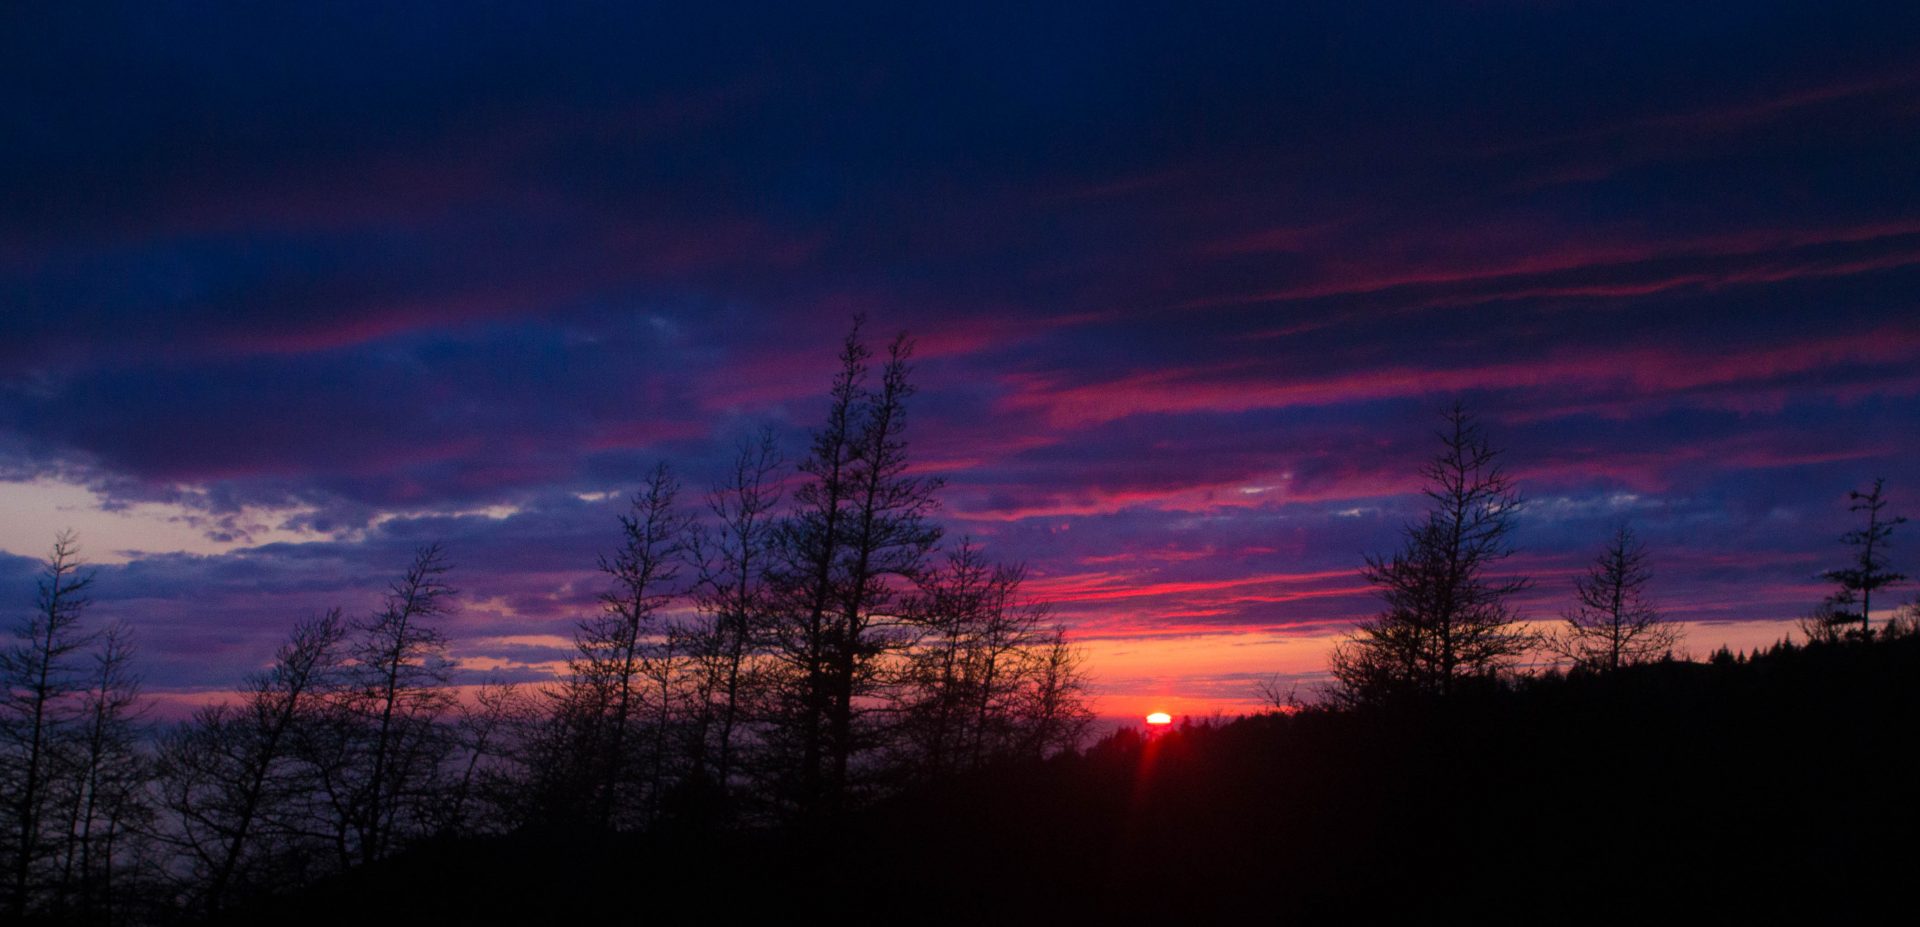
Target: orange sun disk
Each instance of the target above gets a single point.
(1159, 718)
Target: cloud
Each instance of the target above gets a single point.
(286, 292)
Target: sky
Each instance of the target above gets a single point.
(286, 292)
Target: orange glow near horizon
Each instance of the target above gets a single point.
(1200, 676)
(1219, 674)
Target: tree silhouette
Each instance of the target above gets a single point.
(1052, 704)
(397, 695)
(1869, 570)
(106, 795)
(735, 558)
(1447, 617)
(621, 654)
(807, 584)
(1612, 623)
(42, 684)
(489, 729)
(860, 527)
(888, 539)
(960, 613)
(229, 779)
(988, 678)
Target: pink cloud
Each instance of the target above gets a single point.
(1645, 371)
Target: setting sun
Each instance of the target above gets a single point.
(1159, 718)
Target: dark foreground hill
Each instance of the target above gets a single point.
(1780, 784)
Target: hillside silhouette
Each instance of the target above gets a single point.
(1765, 783)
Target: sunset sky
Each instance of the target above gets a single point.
(285, 293)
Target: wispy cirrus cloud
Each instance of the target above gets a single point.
(284, 294)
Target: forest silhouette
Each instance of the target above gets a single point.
(1766, 785)
(800, 698)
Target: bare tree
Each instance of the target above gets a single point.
(735, 558)
(401, 693)
(1280, 693)
(108, 773)
(228, 778)
(1612, 623)
(1906, 622)
(375, 746)
(1832, 620)
(1447, 617)
(1052, 709)
(965, 639)
(43, 684)
(620, 652)
(890, 535)
(488, 731)
(988, 677)
(807, 584)
(563, 754)
(860, 531)
(1869, 570)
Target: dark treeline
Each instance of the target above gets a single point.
(1769, 785)
(780, 653)
(1449, 621)
(797, 696)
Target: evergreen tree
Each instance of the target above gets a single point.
(1612, 623)
(1447, 617)
(1869, 570)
